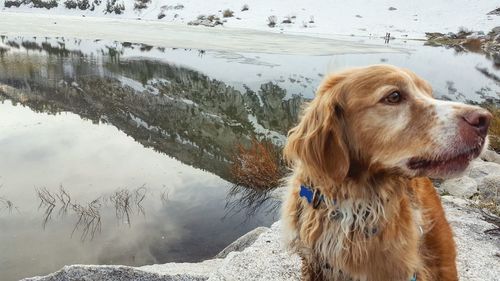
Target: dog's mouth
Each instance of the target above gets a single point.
(445, 164)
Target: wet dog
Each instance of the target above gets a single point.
(360, 205)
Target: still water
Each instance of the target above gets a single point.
(119, 153)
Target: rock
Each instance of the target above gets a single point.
(477, 258)
(434, 35)
(494, 12)
(489, 188)
(479, 169)
(490, 155)
(278, 193)
(451, 35)
(194, 271)
(209, 21)
(495, 30)
(114, 272)
(263, 260)
(241, 243)
(205, 22)
(464, 187)
(496, 56)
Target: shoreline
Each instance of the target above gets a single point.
(180, 36)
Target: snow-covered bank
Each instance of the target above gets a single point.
(405, 19)
(178, 36)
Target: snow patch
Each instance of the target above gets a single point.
(277, 138)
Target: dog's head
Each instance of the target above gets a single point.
(384, 118)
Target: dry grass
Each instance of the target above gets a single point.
(227, 13)
(271, 21)
(473, 45)
(491, 205)
(493, 219)
(164, 197)
(64, 199)
(47, 203)
(6, 204)
(494, 130)
(89, 222)
(89, 219)
(257, 167)
(122, 201)
(256, 171)
(139, 196)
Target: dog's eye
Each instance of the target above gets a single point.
(393, 98)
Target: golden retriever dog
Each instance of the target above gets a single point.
(359, 204)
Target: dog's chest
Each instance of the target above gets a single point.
(354, 235)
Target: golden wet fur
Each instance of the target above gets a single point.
(380, 220)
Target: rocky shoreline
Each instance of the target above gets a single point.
(469, 41)
(259, 255)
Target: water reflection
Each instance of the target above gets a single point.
(175, 110)
(140, 206)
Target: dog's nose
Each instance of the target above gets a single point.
(479, 120)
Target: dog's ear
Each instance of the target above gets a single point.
(317, 142)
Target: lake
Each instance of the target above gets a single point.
(120, 153)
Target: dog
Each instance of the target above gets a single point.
(359, 204)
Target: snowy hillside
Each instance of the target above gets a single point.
(401, 18)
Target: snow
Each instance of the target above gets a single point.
(410, 19)
(189, 102)
(177, 35)
(277, 138)
(135, 85)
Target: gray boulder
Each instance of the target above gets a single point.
(490, 155)
(242, 243)
(479, 169)
(264, 260)
(209, 21)
(464, 187)
(477, 252)
(114, 272)
(489, 188)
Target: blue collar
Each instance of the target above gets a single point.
(313, 197)
(307, 193)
